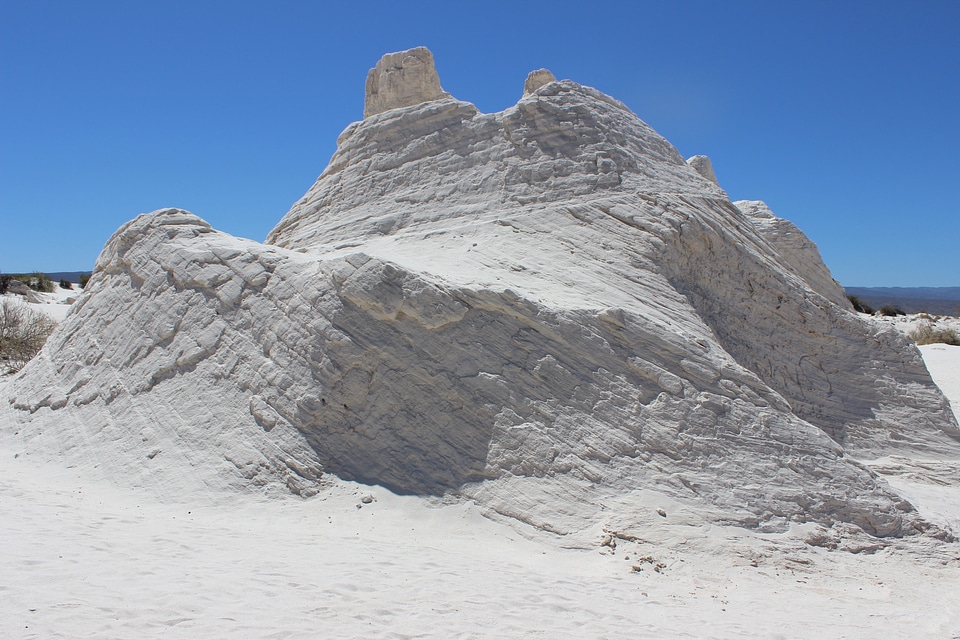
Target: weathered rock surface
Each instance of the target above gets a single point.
(545, 309)
(799, 253)
(401, 80)
(704, 167)
(536, 79)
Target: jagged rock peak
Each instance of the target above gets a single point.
(704, 167)
(536, 79)
(402, 79)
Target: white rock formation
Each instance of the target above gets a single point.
(798, 252)
(542, 309)
(402, 79)
(536, 79)
(704, 167)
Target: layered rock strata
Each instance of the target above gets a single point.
(545, 309)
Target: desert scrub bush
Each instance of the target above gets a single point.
(890, 310)
(926, 334)
(36, 281)
(40, 282)
(84, 279)
(859, 305)
(66, 284)
(5, 283)
(23, 331)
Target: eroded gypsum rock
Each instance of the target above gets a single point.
(704, 167)
(536, 79)
(201, 360)
(573, 172)
(797, 250)
(543, 309)
(402, 79)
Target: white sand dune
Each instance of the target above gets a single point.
(55, 304)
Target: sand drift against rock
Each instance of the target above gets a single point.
(545, 310)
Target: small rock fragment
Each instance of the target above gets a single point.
(536, 79)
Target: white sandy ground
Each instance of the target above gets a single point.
(82, 558)
(55, 304)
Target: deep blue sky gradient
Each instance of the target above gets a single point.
(844, 117)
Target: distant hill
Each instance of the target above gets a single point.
(69, 276)
(938, 300)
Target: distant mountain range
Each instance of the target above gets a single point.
(938, 300)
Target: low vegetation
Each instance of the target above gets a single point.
(859, 305)
(23, 332)
(927, 334)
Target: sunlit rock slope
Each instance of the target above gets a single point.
(545, 309)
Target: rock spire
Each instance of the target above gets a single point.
(402, 79)
(536, 79)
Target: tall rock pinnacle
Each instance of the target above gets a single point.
(402, 79)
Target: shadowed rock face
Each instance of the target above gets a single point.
(544, 309)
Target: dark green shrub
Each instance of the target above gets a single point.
(4, 283)
(84, 279)
(859, 305)
(890, 310)
(66, 284)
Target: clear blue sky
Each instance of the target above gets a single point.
(843, 116)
